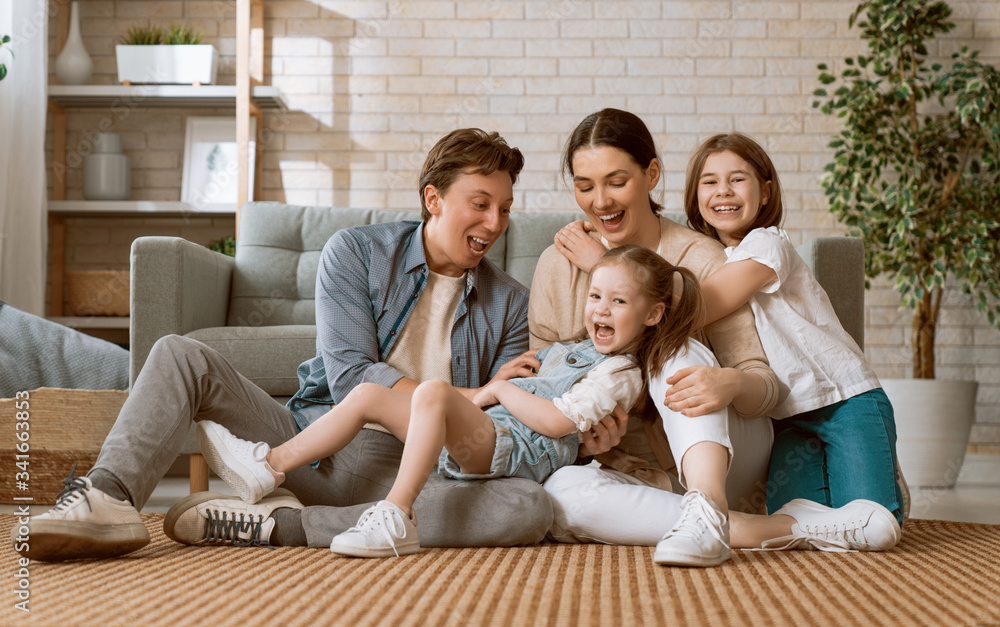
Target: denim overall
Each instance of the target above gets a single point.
(520, 452)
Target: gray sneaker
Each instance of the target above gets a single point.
(700, 537)
(382, 531)
(84, 523)
(858, 526)
(213, 518)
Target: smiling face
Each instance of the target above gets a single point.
(466, 221)
(616, 312)
(613, 190)
(730, 195)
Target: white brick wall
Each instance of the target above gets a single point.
(371, 85)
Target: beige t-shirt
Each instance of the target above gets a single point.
(423, 350)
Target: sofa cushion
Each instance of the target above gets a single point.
(269, 356)
(277, 254)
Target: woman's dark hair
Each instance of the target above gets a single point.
(770, 213)
(617, 129)
(659, 281)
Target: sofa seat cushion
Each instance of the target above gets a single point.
(268, 356)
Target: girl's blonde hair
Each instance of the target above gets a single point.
(659, 282)
(770, 214)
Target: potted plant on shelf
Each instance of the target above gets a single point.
(150, 54)
(915, 175)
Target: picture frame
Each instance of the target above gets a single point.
(210, 180)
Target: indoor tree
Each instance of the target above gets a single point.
(915, 170)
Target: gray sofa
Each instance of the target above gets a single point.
(257, 308)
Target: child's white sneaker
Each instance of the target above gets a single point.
(241, 464)
(858, 526)
(700, 537)
(383, 530)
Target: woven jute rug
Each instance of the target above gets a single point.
(942, 573)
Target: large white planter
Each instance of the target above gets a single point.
(167, 65)
(933, 422)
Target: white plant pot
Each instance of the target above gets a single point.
(933, 422)
(167, 65)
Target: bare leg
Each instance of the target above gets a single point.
(440, 416)
(705, 466)
(750, 531)
(366, 403)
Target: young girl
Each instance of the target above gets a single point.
(835, 435)
(635, 317)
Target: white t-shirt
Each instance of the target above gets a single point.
(594, 396)
(817, 363)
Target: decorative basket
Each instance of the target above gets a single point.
(98, 292)
(65, 428)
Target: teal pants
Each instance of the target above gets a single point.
(836, 454)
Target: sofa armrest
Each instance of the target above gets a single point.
(838, 263)
(176, 287)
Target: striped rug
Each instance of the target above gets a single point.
(942, 573)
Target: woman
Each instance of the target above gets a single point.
(612, 160)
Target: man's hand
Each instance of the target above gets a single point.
(698, 390)
(605, 435)
(524, 365)
(574, 243)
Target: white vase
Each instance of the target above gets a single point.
(73, 66)
(933, 422)
(106, 172)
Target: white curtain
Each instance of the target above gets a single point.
(23, 104)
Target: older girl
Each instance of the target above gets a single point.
(835, 436)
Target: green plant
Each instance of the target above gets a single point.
(915, 170)
(226, 246)
(181, 36)
(149, 35)
(4, 39)
(142, 35)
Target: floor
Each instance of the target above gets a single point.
(979, 504)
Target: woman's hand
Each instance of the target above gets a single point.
(574, 243)
(698, 390)
(605, 435)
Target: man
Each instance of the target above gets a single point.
(396, 304)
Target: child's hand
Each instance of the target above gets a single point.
(574, 243)
(488, 394)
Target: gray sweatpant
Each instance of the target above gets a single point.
(183, 381)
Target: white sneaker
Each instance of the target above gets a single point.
(84, 523)
(241, 464)
(858, 526)
(210, 517)
(700, 537)
(382, 531)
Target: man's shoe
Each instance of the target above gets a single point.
(382, 531)
(700, 537)
(213, 518)
(84, 523)
(858, 526)
(240, 463)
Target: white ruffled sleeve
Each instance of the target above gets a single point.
(770, 247)
(614, 381)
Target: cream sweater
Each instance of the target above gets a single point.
(555, 314)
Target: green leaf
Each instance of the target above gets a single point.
(3, 71)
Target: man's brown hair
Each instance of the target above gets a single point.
(466, 151)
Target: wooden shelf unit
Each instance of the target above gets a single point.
(249, 97)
